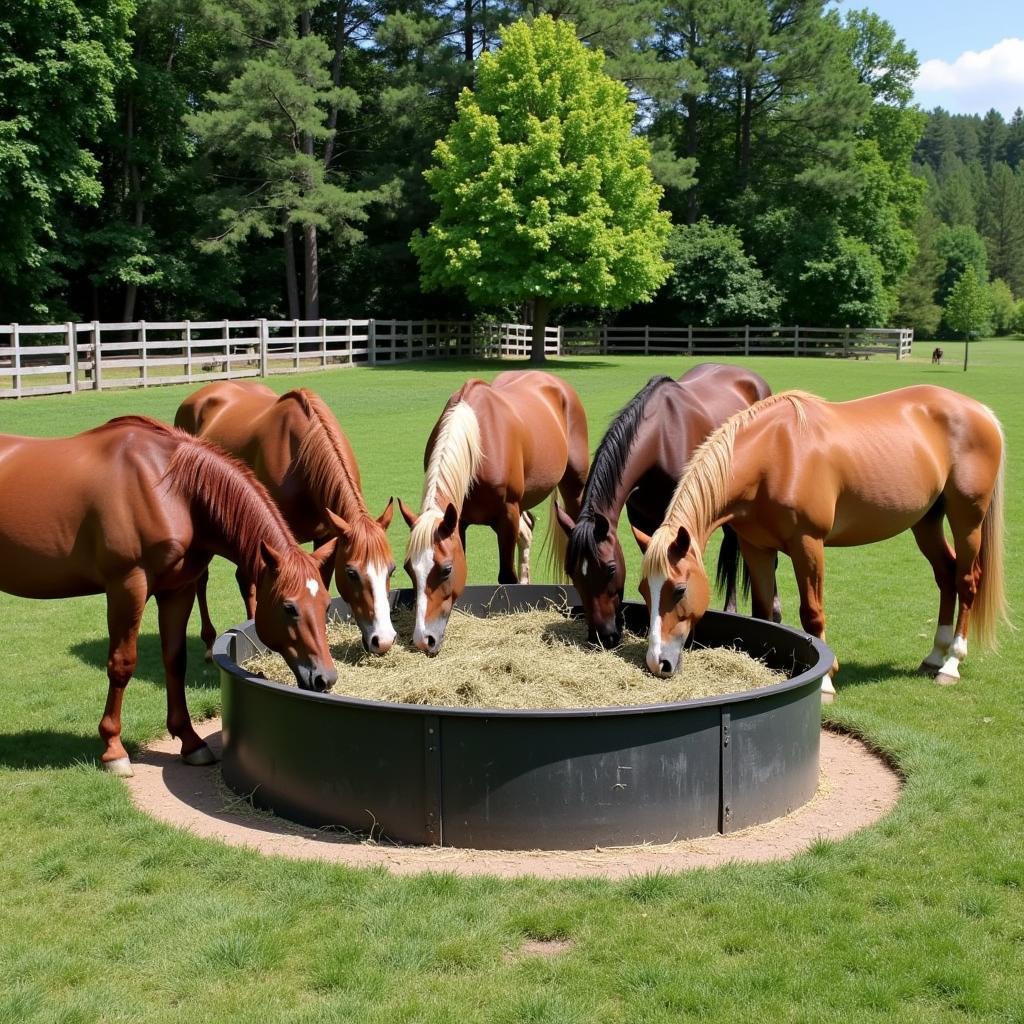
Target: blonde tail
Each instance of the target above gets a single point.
(990, 605)
(556, 545)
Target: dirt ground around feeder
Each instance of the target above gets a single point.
(857, 789)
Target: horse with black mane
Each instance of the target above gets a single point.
(637, 465)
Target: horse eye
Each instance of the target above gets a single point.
(291, 609)
(680, 591)
(352, 573)
(446, 571)
(611, 568)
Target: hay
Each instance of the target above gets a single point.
(533, 659)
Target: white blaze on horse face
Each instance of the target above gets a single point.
(382, 628)
(313, 586)
(660, 649)
(421, 567)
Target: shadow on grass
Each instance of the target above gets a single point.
(863, 673)
(479, 366)
(48, 749)
(150, 667)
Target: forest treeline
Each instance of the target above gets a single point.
(163, 159)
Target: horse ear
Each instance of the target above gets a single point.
(326, 552)
(565, 521)
(601, 527)
(450, 521)
(678, 548)
(408, 515)
(385, 517)
(642, 539)
(271, 558)
(341, 527)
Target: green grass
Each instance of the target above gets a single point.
(108, 916)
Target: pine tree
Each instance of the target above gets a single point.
(992, 137)
(1003, 226)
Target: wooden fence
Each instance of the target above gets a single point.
(64, 358)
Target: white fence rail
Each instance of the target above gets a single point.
(46, 359)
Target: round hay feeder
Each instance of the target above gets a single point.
(532, 779)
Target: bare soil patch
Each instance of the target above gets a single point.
(857, 789)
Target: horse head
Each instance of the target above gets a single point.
(676, 589)
(363, 565)
(597, 567)
(436, 564)
(291, 612)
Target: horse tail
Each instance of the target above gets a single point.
(729, 563)
(556, 545)
(990, 605)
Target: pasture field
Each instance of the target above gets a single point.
(107, 916)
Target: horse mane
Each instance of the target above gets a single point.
(451, 470)
(234, 503)
(607, 469)
(324, 462)
(701, 492)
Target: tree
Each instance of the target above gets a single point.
(1004, 309)
(545, 193)
(917, 307)
(1003, 225)
(968, 309)
(713, 281)
(59, 66)
(959, 248)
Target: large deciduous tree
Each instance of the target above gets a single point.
(545, 192)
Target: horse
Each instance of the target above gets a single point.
(298, 452)
(135, 509)
(795, 473)
(638, 464)
(937, 355)
(497, 451)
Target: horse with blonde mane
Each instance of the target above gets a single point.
(136, 509)
(795, 473)
(497, 451)
(298, 451)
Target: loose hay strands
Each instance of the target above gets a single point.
(533, 659)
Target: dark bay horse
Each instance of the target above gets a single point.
(297, 450)
(497, 451)
(795, 473)
(638, 464)
(136, 509)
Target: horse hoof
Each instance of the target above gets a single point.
(944, 679)
(121, 767)
(200, 757)
(828, 697)
(926, 669)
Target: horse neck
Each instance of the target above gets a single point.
(454, 459)
(235, 509)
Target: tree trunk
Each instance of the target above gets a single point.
(290, 275)
(467, 31)
(745, 126)
(967, 346)
(312, 269)
(541, 308)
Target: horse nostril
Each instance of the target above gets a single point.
(431, 642)
(375, 642)
(666, 666)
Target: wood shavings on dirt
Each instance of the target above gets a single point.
(531, 659)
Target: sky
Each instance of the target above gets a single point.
(971, 53)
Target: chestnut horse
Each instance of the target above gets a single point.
(795, 473)
(498, 450)
(136, 509)
(638, 464)
(298, 451)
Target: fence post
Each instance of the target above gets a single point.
(227, 349)
(323, 342)
(145, 354)
(97, 356)
(264, 346)
(16, 361)
(796, 339)
(746, 339)
(558, 340)
(647, 339)
(689, 340)
(188, 350)
(295, 344)
(371, 343)
(72, 337)
(846, 343)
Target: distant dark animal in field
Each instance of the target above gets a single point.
(937, 355)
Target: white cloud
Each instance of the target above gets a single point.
(975, 81)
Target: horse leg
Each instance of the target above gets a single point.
(507, 529)
(966, 526)
(174, 607)
(760, 564)
(524, 541)
(247, 588)
(207, 630)
(125, 601)
(931, 540)
(808, 556)
(327, 569)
